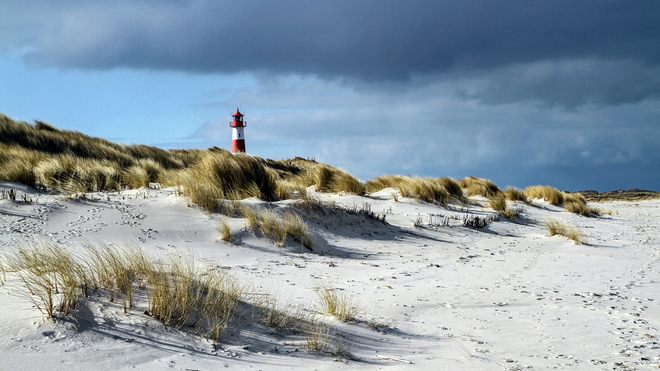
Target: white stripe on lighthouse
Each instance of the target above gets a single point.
(237, 133)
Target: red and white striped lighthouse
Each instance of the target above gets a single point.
(237, 135)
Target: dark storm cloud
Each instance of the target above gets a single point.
(565, 53)
(568, 83)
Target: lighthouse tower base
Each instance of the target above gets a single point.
(238, 146)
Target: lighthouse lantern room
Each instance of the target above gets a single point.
(237, 134)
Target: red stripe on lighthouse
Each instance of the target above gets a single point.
(238, 145)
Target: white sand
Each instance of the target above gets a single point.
(503, 297)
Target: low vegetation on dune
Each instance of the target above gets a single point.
(498, 202)
(424, 189)
(479, 187)
(550, 194)
(336, 304)
(620, 195)
(577, 204)
(438, 190)
(443, 190)
(572, 202)
(67, 161)
(559, 228)
(515, 194)
(453, 187)
(42, 156)
(219, 175)
(174, 291)
(277, 227)
(306, 173)
(432, 190)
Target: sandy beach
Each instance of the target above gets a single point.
(507, 296)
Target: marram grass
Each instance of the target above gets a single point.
(71, 162)
(572, 202)
(336, 303)
(559, 228)
(546, 193)
(277, 227)
(423, 189)
(178, 292)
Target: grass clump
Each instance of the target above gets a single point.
(297, 229)
(293, 176)
(558, 227)
(252, 216)
(282, 318)
(177, 292)
(321, 338)
(424, 189)
(225, 229)
(329, 179)
(577, 204)
(272, 227)
(278, 228)
(222, 175)
(69, 161)
(479, 187)
(382, 182)
(73, 174)
(453, 188)
(48, 140)
(286, 189)
(498, 202)
(317, 337)
(113, 272)
(573, 202)
(51, 276)
(336, 304)
(515, 194)
(17, 164)
(549, 194)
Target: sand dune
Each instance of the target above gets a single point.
(507, 296)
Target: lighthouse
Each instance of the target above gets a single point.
(237, 135)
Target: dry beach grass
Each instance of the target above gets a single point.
(75, 163)
(178, 293)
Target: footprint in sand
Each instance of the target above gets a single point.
(81, 219)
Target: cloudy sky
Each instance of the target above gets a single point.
(558, 92)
